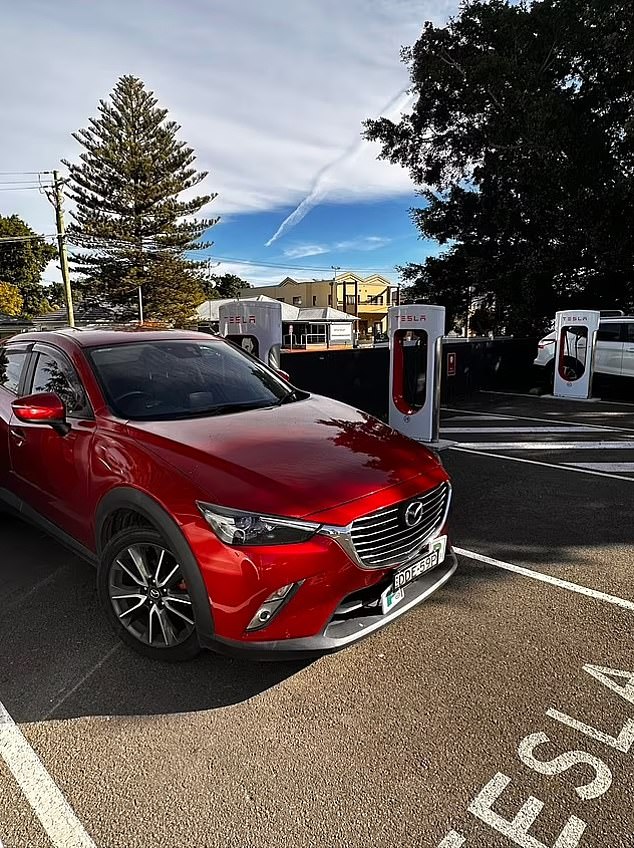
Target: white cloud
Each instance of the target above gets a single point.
(268, 94)
(300, 250)
(364, 243)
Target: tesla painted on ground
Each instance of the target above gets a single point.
(222, 507)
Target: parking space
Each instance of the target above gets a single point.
(436, 731)
(583, 436)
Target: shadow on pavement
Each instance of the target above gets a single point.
(60, 659)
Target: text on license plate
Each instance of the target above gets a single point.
(435, 555)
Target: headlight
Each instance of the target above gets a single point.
(235, 527)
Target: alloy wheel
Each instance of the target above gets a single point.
(149, 596)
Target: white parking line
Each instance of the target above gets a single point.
(549, 446)
(558, 467)
(60, 823)
(81, 682)
(476, 416)
(545, 420)
(547, 578)
(575, 428)
(605, 466)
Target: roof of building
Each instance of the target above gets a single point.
(324, 313)
(349, 276)
(12, 321)
(88, 314)
(210, 310)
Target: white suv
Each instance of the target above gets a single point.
(614, 352)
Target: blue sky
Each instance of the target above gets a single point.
(371, 237)
(271, 96)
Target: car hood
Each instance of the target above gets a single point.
(297, 459)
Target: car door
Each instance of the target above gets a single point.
(49, 471)
(13, 362)
(627, 367)
(608, 355)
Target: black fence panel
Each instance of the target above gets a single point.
(360, 377)
(504, 365)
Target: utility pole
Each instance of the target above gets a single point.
(334, 294)
(61, 243)
(140, 305)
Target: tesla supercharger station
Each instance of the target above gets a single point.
(415, 333)
(255, 326)
(576, 336)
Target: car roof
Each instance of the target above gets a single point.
(618, 318)
(98, 338)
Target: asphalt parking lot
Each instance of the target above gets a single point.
(499, 713)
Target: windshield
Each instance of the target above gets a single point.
(159, 380)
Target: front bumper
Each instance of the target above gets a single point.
(342, 630)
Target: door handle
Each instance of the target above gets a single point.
(17, 435)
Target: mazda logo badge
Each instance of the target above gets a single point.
(414, 514)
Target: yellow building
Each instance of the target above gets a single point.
(367, 298)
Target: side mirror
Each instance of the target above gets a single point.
(44, 408)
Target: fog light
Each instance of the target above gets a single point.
(272, 605)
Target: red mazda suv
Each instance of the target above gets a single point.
(222, 507)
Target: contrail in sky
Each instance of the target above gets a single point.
(323, 180)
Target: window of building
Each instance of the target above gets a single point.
(53, 374)
(281, 299)
(11, 365)
(314, 300)
(297, 301)
(350, 299)
(329, 300)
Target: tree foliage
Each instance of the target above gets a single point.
(10, 300)
(131, 221)
(22, 262)
(521, 141)
(54, 293)
(219, 286)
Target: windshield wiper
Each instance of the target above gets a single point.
(226, 408)
(288, 397)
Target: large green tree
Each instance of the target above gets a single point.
(23, 258)
(133, 218)
(521, 141)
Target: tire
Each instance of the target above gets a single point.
(145, 598)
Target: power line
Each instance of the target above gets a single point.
(7, 239)
(27, 188)
(264, 264)
(20, 182)
(24, 173)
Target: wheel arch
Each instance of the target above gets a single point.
(144, 511)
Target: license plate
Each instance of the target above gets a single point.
(395, 593)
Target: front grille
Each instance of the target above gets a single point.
(383, 539)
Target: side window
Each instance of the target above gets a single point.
(54, 374)
(609, 332)
(630, 332)
(12, 363)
